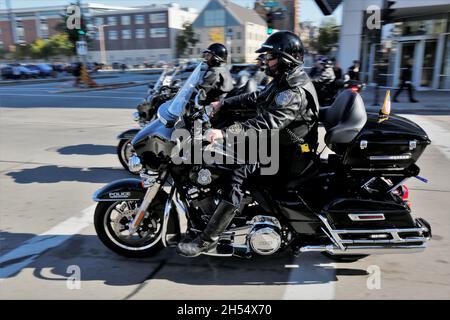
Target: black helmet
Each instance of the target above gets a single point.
(218, 51)
(287, 45)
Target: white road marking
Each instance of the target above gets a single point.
(31, 249)
(440, 137)
(311, 281)
(292, 266)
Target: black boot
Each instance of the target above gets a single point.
(207, 240)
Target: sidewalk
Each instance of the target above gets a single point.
(430, 102)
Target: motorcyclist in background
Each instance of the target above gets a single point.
(217, 81)
(289, 104)
(261, 78)
(325, 83)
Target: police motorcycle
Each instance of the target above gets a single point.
(351, 205)
(164, 89)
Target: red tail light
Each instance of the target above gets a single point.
(404, 193)
(355, 89)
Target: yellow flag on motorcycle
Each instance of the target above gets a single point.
(386, 109)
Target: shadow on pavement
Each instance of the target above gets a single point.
(55, 174)
(97, 263)
(87, 149)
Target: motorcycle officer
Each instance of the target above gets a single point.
(217, 81)
(260, 76)
(288, 104)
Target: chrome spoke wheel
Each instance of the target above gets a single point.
(116, 222)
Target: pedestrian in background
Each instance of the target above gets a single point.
(353, 71)
(406, 79)
(337, 69)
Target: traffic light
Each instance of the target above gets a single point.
(269, 20)
(387, 12)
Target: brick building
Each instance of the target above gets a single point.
(139, 35)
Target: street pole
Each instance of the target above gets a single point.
(12, 20)
(102, 43)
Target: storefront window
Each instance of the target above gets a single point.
(444, 79)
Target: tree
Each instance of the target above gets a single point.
(185, 39)
(327, 39)
(21, 51)
(57, 45)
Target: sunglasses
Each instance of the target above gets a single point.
(270, 56)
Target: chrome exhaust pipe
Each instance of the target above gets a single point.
(365, 249)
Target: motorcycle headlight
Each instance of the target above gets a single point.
(134, 163)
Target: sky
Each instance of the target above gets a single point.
(308, 9)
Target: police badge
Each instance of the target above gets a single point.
(283, 98)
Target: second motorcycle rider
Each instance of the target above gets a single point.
(289, 104)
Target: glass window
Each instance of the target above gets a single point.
(98, 21)
(214, 18)
(158, 32)
(126, 34)
(238, 49)
(140, 33)
(139, 19)
(444, 77)
(112, 21)
(112, 35)
(20, 31)
(238, 35)
(125, 20)
(158, 17)
(44, 28)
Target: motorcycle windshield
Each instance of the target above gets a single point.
(179, 102)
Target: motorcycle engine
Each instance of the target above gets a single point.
(264, 237)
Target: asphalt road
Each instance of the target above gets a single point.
(42, 95)
(56, 150)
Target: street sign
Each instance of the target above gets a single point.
(81, 48)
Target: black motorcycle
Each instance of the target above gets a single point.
(350, 206)
(328, 92)
(163, 90)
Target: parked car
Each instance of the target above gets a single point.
(35, 71)
(46, 70)
(7, 72)
(21, 72)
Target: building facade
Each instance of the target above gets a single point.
(241, 29)
(25, 25)
(143, 34)
(419, 32)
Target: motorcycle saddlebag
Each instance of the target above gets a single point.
(393, 144)
(351, 213)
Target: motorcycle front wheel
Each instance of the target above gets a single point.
(124, 152)
(111, 221)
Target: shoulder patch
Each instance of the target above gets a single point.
(284, 98)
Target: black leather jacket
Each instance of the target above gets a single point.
(216, 82)
(286, 103)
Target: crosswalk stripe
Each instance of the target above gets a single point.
(34, 247)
